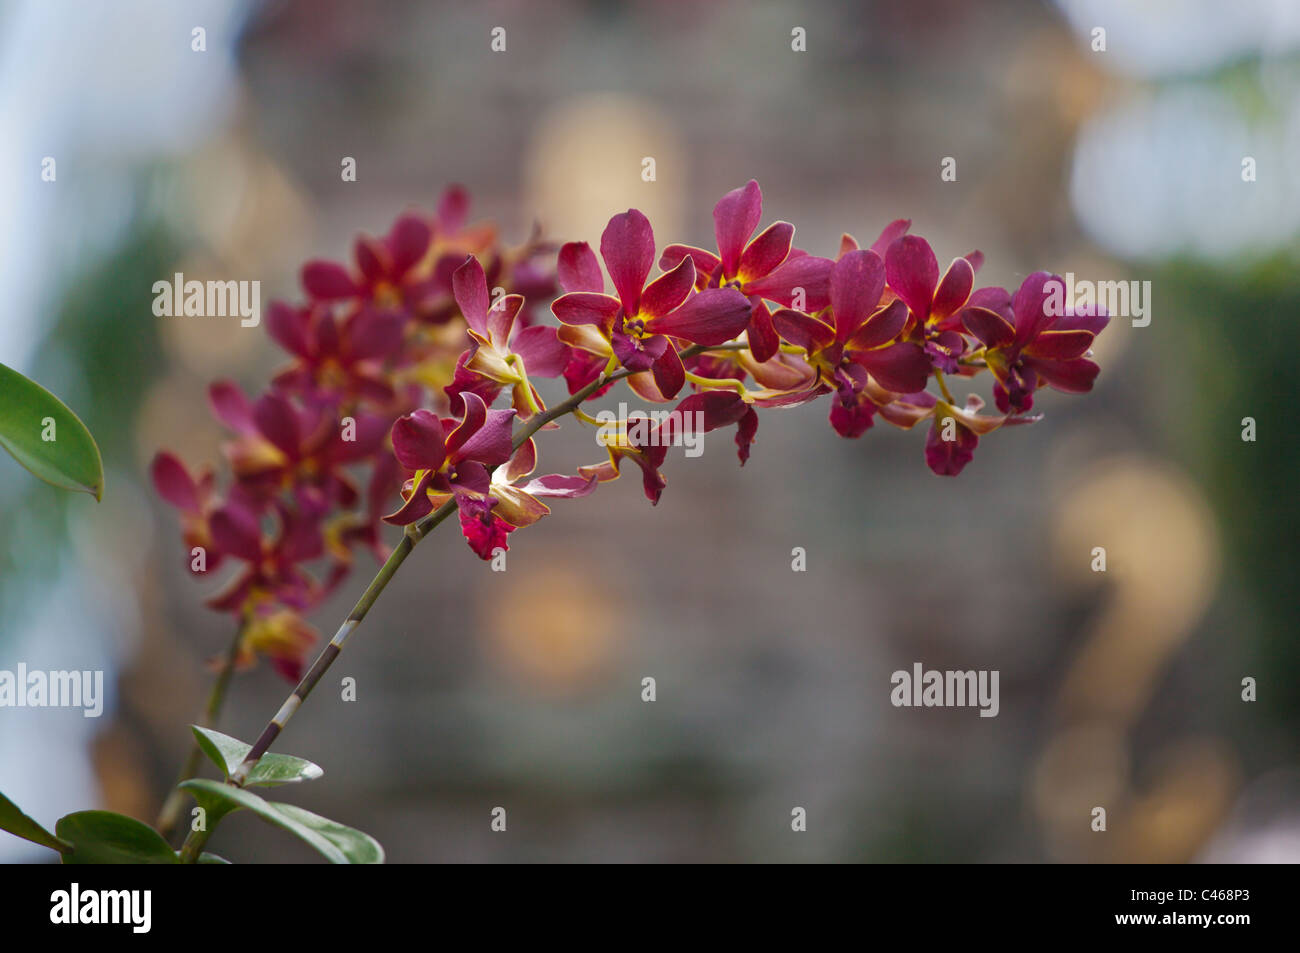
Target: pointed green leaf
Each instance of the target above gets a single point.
(228, 753)
(20, 825)
(338, 844)
(102, 837)
(46, 437)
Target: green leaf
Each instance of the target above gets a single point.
(228, 753)
(206, 858)
(102, 837)
(28, 415)
(338, 844)
(20, 825)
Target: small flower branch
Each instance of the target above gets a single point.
(416, 321)
(195, 841)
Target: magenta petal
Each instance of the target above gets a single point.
(501, 319)
(485, 533)
(857, 282)
(734, 219)
(327, 336)
(453, 208)
(373, 334)
(638, 354)
(231, 406)
(407, 242)
(543, 353)
(1030, 304)
(288, 328)
(475, 416)
(954, 289)
(372, 258)
(668, 291)
(803, 330)
(1093, 320)
(996, 300)
(851, 414)
(471, 476)
(417, 505)
(717, 408)
(466, 381)
(746, 430)
(949, 457)
(628, 247)
(705, 261)
(890, 234)
(577, 268)
(174, 484)
(881, 328)
(368, 439)
(669, 374)
(490, 443)
(583, 368)
(236, 532)
(586, 307)
(300, 538)
(799, 271)
(328, 281)
(767, 251)
(278, 423)
(710, 317)
(901, 368)
(989, 327)
(419, 442)
(913, 273)
(1072, 377)
(469, 286)
(764, 342)
(1057, 345)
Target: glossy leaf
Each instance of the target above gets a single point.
(228, 753)
(337, 843)
(28, 415)
(20, 825)
(102, 837)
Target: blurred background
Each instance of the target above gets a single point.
(477, 689)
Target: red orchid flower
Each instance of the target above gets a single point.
(1025, 345)
(638, 324)
(860, 339)
(272, 570)
(499, 351)
(888, 235)
(647, 445)
(451, 460)
(933, 303)
(386, 268)
(195, 498)
(348, 529)
(280, 446)
(333, 362)
(485, 522)
(954, 431)
(520, 272)
(766, 267)
(281, 635)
